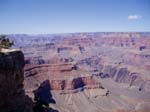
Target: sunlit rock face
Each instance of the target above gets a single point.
(12, 95)
(92, 72)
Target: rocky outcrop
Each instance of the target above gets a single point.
(123, 75)
(75, 84)
(12, 95)
(63, 77)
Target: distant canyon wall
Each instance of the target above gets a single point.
(124, 57)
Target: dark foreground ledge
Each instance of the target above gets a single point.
(12, 95)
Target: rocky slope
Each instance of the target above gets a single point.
(12, 95)
(92, 72)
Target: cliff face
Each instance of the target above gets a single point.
(12, 95)
(64, 77)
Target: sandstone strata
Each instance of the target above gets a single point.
(115, 66)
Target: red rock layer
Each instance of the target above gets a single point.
(75, 83)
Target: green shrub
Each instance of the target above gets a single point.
(5, 42)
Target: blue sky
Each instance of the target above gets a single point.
(65, 16)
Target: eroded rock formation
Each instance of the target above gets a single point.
(12, 95)
(92, 72)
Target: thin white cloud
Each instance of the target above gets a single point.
(134, 17)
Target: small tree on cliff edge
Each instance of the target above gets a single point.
(5, 42)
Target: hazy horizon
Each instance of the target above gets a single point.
(73, 33)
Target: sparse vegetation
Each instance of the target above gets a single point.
(5, 42)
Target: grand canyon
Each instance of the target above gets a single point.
(87, 72)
